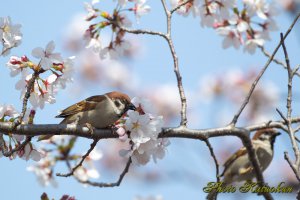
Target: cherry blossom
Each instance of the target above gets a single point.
(124, 20)
(241, 25)
(225, 6)
(144, 129)
(140, 8)
(88, 170)
(21, 84)
(208, 14)
(8, 110)
(17, 65)
(192, 6)
(85, 174)
(92, 13)
(143, 104)
(44, 89)
(94, 44)
(252, 44)
(30, 152)
(260, 7)
(10, 34)
(122, 133)
(138, 125)
(48, 58)
(231, 37)
(43, 171)
(67, 69)
(109, 52)
(40, 96)
(122, 3)
(95, 155)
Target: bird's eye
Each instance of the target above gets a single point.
(117, 103)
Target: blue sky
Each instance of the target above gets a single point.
(200, 52)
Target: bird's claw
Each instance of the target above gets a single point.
(90, 127)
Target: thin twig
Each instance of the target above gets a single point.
(297, 139)
(141, 31)
(167, 37)
(290, 81)
(247, 98)
(290, 162)
(92, 146)
(183, 121)
(7, 49)
(7, 153)
(289, 112)
(282, 116)
(29, 87)
(211, 150)
(180, 5)
(163, 2)
(297, 129)
(264, 51)
(117, 183)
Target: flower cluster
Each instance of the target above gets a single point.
(9, 113)
(88, 170)
(10, 35)
(245, 23)
(118, 44)
(44, 169)
(26, 153)
(44, 89)
(144, 129)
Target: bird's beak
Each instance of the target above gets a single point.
(131, 107)
(277, 133)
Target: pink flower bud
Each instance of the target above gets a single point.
(14, 61)
(24, 59)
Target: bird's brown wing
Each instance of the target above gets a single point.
(85, 105)
(232, 158)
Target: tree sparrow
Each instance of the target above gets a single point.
(238, 167)
(99, 111)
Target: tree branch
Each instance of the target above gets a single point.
(295, 167)
(179, 132)
(211, 150)
(122, 175)
(83, 131)
(247, 98)
(92, 146)
(290, 162)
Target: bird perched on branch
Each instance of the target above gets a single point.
(99, 111)
(238, 167)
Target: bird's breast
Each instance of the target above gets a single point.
(102, 116)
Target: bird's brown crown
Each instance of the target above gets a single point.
(268, 131)
(118, 95)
